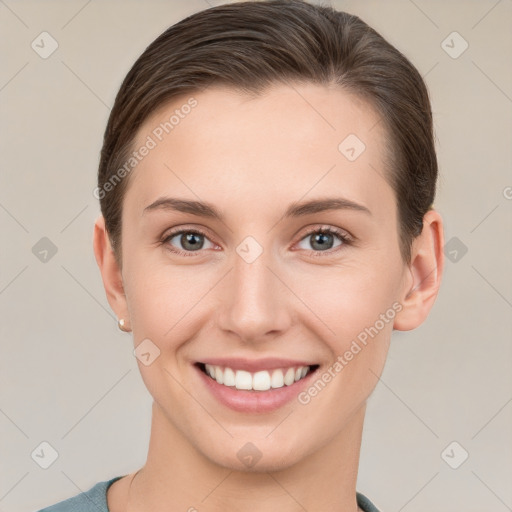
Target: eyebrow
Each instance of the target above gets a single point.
(297, 209)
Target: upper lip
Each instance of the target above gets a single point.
(252, 365)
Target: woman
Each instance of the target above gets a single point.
(266, 185)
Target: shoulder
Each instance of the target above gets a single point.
(93, 499)
(96, 497)
(365, 504)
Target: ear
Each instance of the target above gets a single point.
(110, 271)
(425, 272)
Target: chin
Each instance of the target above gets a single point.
(258, 456)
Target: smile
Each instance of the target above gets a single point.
(261, 380)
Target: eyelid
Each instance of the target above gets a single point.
(187, 229)
(168, 235)
(344, 236)
(328, 228)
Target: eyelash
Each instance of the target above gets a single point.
(345, 239)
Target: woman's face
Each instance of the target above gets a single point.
(259, 288)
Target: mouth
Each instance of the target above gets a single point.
(256, 381)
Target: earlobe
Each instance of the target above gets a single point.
(426, 270)
(110, 271)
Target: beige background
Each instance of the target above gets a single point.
(68, 376)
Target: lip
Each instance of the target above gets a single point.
(254, 365)
(254, 401)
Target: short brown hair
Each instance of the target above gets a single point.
(251, 45)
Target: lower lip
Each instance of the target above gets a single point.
(254, 401)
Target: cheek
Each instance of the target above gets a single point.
(344, 301)
(337, 302)
(162, 298)
(357, 305)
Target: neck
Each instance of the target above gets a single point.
(176, 476)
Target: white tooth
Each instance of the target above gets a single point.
(289, 377)
(243, 380)
(210, 370)
(229, 377)
(277, 379)
(261, 381)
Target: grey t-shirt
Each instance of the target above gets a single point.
(95, 500)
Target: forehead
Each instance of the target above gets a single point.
(279, 145)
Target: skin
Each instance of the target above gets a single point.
(251, 157)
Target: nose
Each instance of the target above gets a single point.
(255, 303)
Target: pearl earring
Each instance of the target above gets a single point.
(122, 325)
